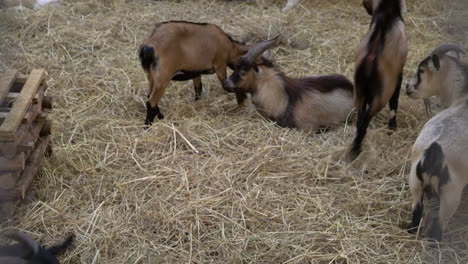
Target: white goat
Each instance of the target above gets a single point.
(439, 161)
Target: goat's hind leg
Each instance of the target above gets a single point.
(198, 86)
(450, 196)
(161, 80)
(362, 122)
(393, 104)
(417, 206)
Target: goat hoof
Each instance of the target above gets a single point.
(392, 125)
(352, 155)
(412, 229)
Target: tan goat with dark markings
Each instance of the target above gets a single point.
(180, 51)
(307, 103)
(379, 62)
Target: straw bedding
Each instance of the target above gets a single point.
(212, 183)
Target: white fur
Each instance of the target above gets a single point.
(290, 5)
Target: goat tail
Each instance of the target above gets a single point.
(146, 56)
(57, 249)
(432, 170)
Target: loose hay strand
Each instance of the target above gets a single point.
(213, 183)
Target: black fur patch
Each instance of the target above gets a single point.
(188, 75)
(147, 57)
(151, 113)
(433, 165)
(416, 218)
(183, 21)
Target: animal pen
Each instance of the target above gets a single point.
(24, 134)
(213, 183)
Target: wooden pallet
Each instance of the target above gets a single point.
(24, 131)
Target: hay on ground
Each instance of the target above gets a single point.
(211, 183)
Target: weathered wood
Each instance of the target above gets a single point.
(6, 81)
(27, 139)
(46, 129)
(21, 106)
(16, 163)
(34, 161)
(8, 195)
(7, 210)
(8, 149)
(47, 102)
(9, 179)
(21, 78)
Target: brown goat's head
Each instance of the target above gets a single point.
(247, 67)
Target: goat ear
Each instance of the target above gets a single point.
(436, 61)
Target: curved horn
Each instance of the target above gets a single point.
(257, 49)
(24, 240)
(441, 50)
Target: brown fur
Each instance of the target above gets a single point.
(184, 46)
(305, 103)
(390, 64)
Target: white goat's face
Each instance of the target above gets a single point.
(426, 81)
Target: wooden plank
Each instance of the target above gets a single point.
(34, 161)
(16, 163)
(21, 106)
(9, 179)
(27, 139)
(8, 149)
(9, 99)
(6, 81)
(47, 102)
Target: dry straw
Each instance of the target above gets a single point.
(212, 183)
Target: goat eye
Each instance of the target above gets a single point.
(421, 71)
(242, 73)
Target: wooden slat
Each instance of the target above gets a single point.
(9, 179)
(14, 164)
(27, 138)
(21, 106)
(9, 98)
(6, 81)
(34, 161)
(47, 102)
(8, 149)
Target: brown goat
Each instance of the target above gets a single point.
(380, 59)
(304, 103)
(180, 51)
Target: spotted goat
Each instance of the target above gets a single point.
(305, 103)
(439, 161)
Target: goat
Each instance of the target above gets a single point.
(180, 51)
(380, 59)
(29, 252)
(305, 103)
(27, 3)
(438, 157)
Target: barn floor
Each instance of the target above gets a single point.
(212, 183)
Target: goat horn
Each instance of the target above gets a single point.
(24, 240)
(447, 48)
(257, 49)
